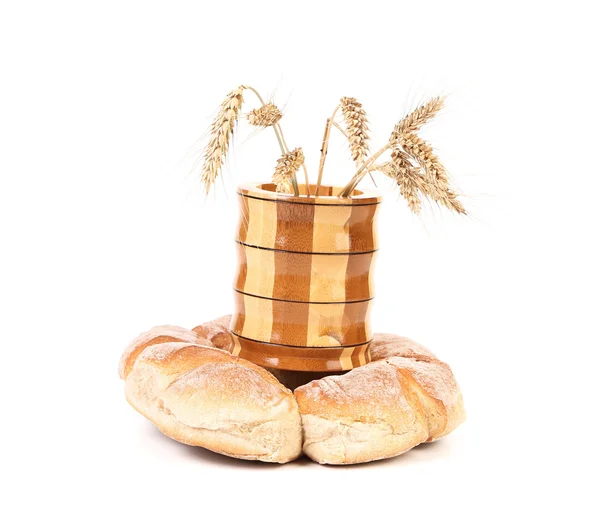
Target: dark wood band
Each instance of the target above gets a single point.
(303, 359)
(305, 302)
(301, 324)
(317, 204)
(342, 253)
(328, 195)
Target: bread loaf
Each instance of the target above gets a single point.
(203, 396)
(217, 332)
(156, 335)
(381, 409)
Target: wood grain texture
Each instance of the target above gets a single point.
(304, 276)
(325, 225)
(302, 359)
(327, 194)
(305, 271)
(301, 323)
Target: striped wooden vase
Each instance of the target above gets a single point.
(303, 289)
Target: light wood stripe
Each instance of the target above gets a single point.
(262, 223)
(260, 280)
(237, 346)
(242, 271)
(326, 321)
(239, 313)
(328, 278)
(244, 219)
(362, 358)
(361, 355)
(332, 228)
(325, 324)
(346, 359)
(257, 317)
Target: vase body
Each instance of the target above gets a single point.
(303, 289)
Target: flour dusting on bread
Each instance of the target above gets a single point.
(199, 394)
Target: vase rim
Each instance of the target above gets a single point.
(327, 194)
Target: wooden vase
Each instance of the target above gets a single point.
(303, 290)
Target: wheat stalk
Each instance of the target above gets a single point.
(221, 132)
(363, 170)
(286, 168)
(265, 116)
(324, 148)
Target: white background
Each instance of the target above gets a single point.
(105, 234)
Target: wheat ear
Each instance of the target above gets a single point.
(410, 181)
(265, 116)
(423, 153)
(284, 148)
(416, 119)
(436, 174)
(435, 182)
(343, 131)
(221, 132)
(286, 168)
(357, 128)
(410, 123)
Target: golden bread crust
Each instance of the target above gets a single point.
(403, 398)
(217, 332)
(202, 395)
